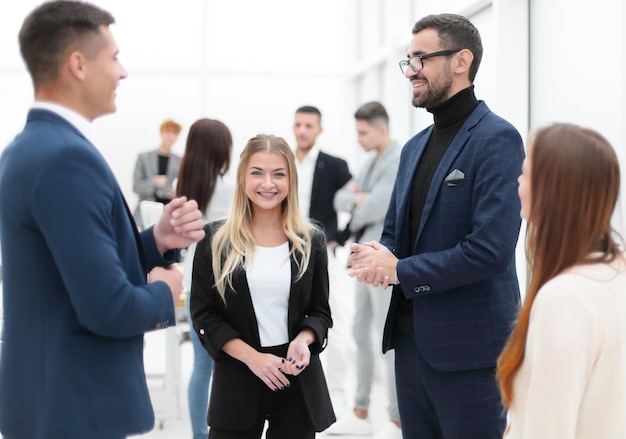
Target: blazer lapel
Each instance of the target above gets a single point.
(456, 147)
(153, 163)
(404, 192)
(318, 175)
(442, 170)
(295, 296)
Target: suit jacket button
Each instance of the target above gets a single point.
(201, 331)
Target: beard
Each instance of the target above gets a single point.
(438, 91)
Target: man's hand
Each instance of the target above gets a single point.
(172, 276)
(372, 263)
(159, 180)
(180, 225)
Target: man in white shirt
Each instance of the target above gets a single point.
(320, 176)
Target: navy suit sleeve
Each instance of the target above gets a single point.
(80, 211)
(151, 252)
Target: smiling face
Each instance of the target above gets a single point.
(433, 85)
(168, 138)
(306, 129)
(266, 181)
(370, 136)
(102, 74)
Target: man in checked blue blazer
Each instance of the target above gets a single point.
(81, 285)
(448, 243)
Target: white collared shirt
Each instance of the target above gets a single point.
(306, 171)
(79, 122)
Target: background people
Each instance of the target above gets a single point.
(320, 176)
(76, 301)
(156, 170)
(259, 304)
(366, 198)
(448, 243)
(203, 177)
(563, 370)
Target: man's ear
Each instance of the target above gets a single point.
(384, 129)
(463, 61)
(76, 65)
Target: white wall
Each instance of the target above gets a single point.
(249, 64)
(577, 70)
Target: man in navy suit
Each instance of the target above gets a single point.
(448, 243)
(81, 285)
(320, 176)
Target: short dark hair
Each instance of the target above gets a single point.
(455, 31)
(373, 113)
(310, 109)
(54, 28)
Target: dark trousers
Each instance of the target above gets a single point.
(284, 410)
(445, 405)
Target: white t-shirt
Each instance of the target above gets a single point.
(269, 280)
(572, 382)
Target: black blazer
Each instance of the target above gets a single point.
(331, 174)
(235, 391)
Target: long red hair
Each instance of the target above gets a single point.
(574, 180)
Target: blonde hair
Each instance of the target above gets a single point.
(233, 244)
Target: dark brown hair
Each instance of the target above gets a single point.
(207, 156)
(455, 32)
(310, 109)
(54, 29)
(373, 113)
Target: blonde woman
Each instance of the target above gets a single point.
(563, 370)
(259, 304)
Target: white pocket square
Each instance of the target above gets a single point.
(455, 178)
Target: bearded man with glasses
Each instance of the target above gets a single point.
(448, 243)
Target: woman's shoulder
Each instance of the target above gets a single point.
(210, 229)
(584, 286)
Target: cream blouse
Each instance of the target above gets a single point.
(572, 382)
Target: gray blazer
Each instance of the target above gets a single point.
(146, 168)
(371, 212)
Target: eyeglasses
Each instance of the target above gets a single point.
(417, 66)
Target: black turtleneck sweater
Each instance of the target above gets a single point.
(448, 117)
